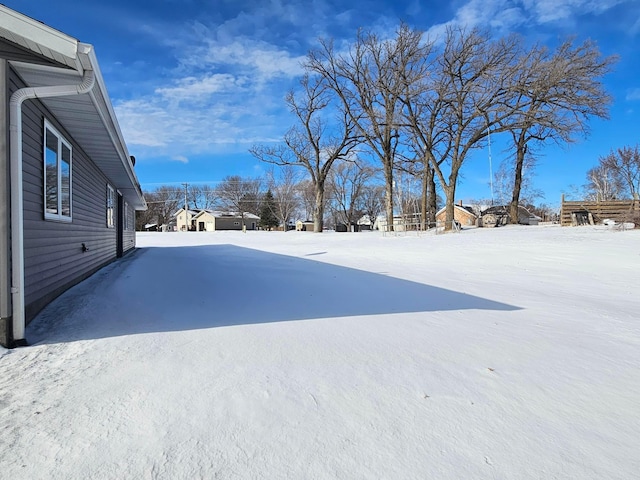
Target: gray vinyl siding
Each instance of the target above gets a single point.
(53, 254)
(129, 234)
(228, 223)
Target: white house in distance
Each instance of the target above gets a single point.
(68, 190)
(205, 220)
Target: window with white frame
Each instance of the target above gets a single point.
(57, 175)
(111, 207)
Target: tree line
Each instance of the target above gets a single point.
(617, 176)
(416, 105)
(279, 198)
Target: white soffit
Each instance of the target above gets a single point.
(85, 117)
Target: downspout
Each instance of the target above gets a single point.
(17, 237)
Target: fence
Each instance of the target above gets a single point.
(583, 212)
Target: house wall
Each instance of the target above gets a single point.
(228, 223)
(466, 218)
(183, 219)
(461, 215)
(129, 233)
(304, 226)
(53, 256)
(208, 220)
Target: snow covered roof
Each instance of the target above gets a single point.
(504, 210)
(465, 208)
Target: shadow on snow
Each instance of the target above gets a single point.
(185, 288)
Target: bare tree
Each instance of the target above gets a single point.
(239, 194)
(556, 93)
(346, 185)
(313, 143)
(369, 82)
(163, 202)
(625, 162)
(420, 168)
(202, 196)
(408, 198)
(503, 183)
(465, 97)
(603, 183)
(284, 187)
(373, 201)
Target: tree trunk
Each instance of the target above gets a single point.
(432, 206)
(521, 150)
(388, 197)
(318, 211)
(424, 222)
(450, 195)
(429, 203)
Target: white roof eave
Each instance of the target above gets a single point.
(98, 108)
(38, 37)
(74, 58)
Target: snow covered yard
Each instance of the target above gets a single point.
(494, 353)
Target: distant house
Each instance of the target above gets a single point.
(186, 222)
(205, 220)
(212, 220)
(305, 226)
(365, 223)
(68, 190)
(499, 215)
(525, 217)
(462, 214)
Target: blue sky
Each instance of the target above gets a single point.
(195, 83)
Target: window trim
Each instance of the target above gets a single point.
(126, 225)
(62, 141)
(111, 209)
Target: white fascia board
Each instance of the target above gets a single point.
(105, 110)
(38, 33)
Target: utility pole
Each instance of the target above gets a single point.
(186, 208)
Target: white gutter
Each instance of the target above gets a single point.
(17, 237)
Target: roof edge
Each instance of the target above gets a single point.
(38, 33)
(117, 137)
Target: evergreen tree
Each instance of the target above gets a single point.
(268, 219)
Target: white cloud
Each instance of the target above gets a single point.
(498, 14)
(225, 95)
(506, 15)
(180, 158)
(553, 10)
(155, 127)
(633, 94)
(256, 57)
(198, 88)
